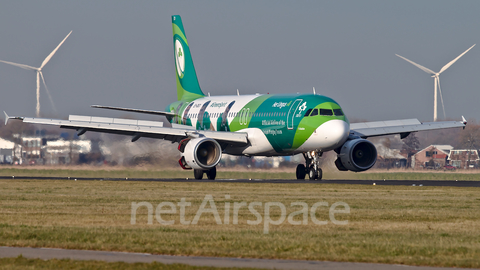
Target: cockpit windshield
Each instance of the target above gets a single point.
(326, 112)
(338, 112)
(308, 112)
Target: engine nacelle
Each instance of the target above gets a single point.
(200, 153)
(356, 155)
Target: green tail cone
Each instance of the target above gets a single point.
(187, 82)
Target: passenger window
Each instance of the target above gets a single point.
(308, 112)
(326, 112)
(314, 112)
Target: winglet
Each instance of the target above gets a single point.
(11, 117)
(464, 121)
(6, 117)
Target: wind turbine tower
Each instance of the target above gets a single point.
(40, 74)
(436, 80)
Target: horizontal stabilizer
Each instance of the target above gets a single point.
(134, 110)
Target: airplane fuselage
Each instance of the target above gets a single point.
(276, 124)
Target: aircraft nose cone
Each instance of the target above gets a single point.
(335, 132)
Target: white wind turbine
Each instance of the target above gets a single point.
(40, 74)
(436, 80)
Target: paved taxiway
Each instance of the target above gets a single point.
(448, 183)
(110, 256)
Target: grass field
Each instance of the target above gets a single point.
(232, 173)
(22, 263)
(436, 226)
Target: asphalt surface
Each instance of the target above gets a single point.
(447, 183)
(109, 256)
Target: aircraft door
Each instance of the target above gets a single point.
(292, 113)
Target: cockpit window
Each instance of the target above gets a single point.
(326, 112)
(338, 112)
(308, 112)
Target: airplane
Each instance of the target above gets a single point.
(206, 127)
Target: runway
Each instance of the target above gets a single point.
(418, 183)
(110, 256)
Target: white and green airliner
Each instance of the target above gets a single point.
(206, 127)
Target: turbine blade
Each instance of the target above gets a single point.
(19, 65)
(441, 96)
(417, 65)
(53, 52)
(454, 60)
(48, 92)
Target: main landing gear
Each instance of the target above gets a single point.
(311, 166)
(211, 174)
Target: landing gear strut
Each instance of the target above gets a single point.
(211, 174)
(311, 166)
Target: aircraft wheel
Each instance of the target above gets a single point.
(300, 171)
(319, 174)
(198, 174)
(312, 173)
(212, 173)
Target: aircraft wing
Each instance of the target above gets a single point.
(402, 127)
(137, 129)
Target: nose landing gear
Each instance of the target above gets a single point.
(311, 166)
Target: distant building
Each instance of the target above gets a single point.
(464, 158)
(51, 150)
(32, 147)
(389, 158)
(8, 152)
(431, 157)
(60, 151)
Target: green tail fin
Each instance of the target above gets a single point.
(187, 82)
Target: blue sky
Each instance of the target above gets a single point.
(121, 53)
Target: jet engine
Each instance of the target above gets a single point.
(199, 153)
(356, 155)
